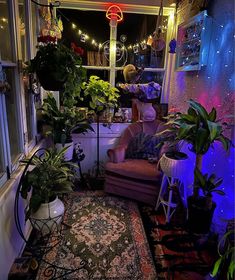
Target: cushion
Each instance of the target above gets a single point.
(138, 169)
(142, 146)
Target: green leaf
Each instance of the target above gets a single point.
(215, 130)
(200, 109)
(212, 115)
(216, 267)
(225, 141)
(189, 118)
(201, 141)
(184, 130)
(218, 192)
(231, 268)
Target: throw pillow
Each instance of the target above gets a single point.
(142, 146)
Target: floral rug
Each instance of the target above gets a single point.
(106, 241)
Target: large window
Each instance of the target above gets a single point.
(89, 32)
(17, 122)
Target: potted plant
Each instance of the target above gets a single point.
(102, 96)
(50, 177)
(201, 130)
(58, 68)
(224, 267)
(201, 213)
(62, 123)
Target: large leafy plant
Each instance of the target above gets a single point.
(101, 93)
(61, 64)
(63, 122)
(199, 128)
(50, 176)
(225, 264)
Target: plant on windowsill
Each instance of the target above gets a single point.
(50, 177)
(58, 68)
(102, 96)
(201, 130)
(62, 123)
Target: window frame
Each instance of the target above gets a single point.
(9, 164)
(126, 8)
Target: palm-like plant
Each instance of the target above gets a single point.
(199, 128)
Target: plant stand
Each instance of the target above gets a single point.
(44, 241)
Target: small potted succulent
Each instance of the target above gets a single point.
(50, 177)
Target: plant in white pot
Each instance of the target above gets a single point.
(62, 123)
(50, 177)
(201, 130)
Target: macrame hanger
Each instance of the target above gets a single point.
(159, 21)
(158, 44)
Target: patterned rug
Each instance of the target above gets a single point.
(107, 234)
(177, 254)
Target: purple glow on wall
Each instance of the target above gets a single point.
(214, 86)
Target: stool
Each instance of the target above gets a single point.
(167, 204)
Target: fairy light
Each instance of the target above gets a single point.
(74, 26)
(4, 19)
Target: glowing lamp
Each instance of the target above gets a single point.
(114, 12)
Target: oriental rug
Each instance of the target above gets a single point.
(107, 234)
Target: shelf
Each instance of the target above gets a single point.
(201, 23)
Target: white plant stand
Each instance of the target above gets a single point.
(173, 170)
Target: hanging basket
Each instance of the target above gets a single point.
(48, 81)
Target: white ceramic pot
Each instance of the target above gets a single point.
(48, 217)
(69, 153)
(173, 167)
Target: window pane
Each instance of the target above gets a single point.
(5, 41)
(23, 30)
(12, 120)
(136, 28)
(91, 23)
(34, 24)
(1, 153)
(28, 107)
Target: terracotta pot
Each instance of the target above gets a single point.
(48, 217)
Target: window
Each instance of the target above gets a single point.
(89, 31)
(16, 106)
(6, 44)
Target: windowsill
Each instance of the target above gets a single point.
(15, 176)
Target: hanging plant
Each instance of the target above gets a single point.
(58, 68)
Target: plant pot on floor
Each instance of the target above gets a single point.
(68, 155)
(48, 217)
(199, 214)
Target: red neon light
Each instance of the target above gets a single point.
(114, 12)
